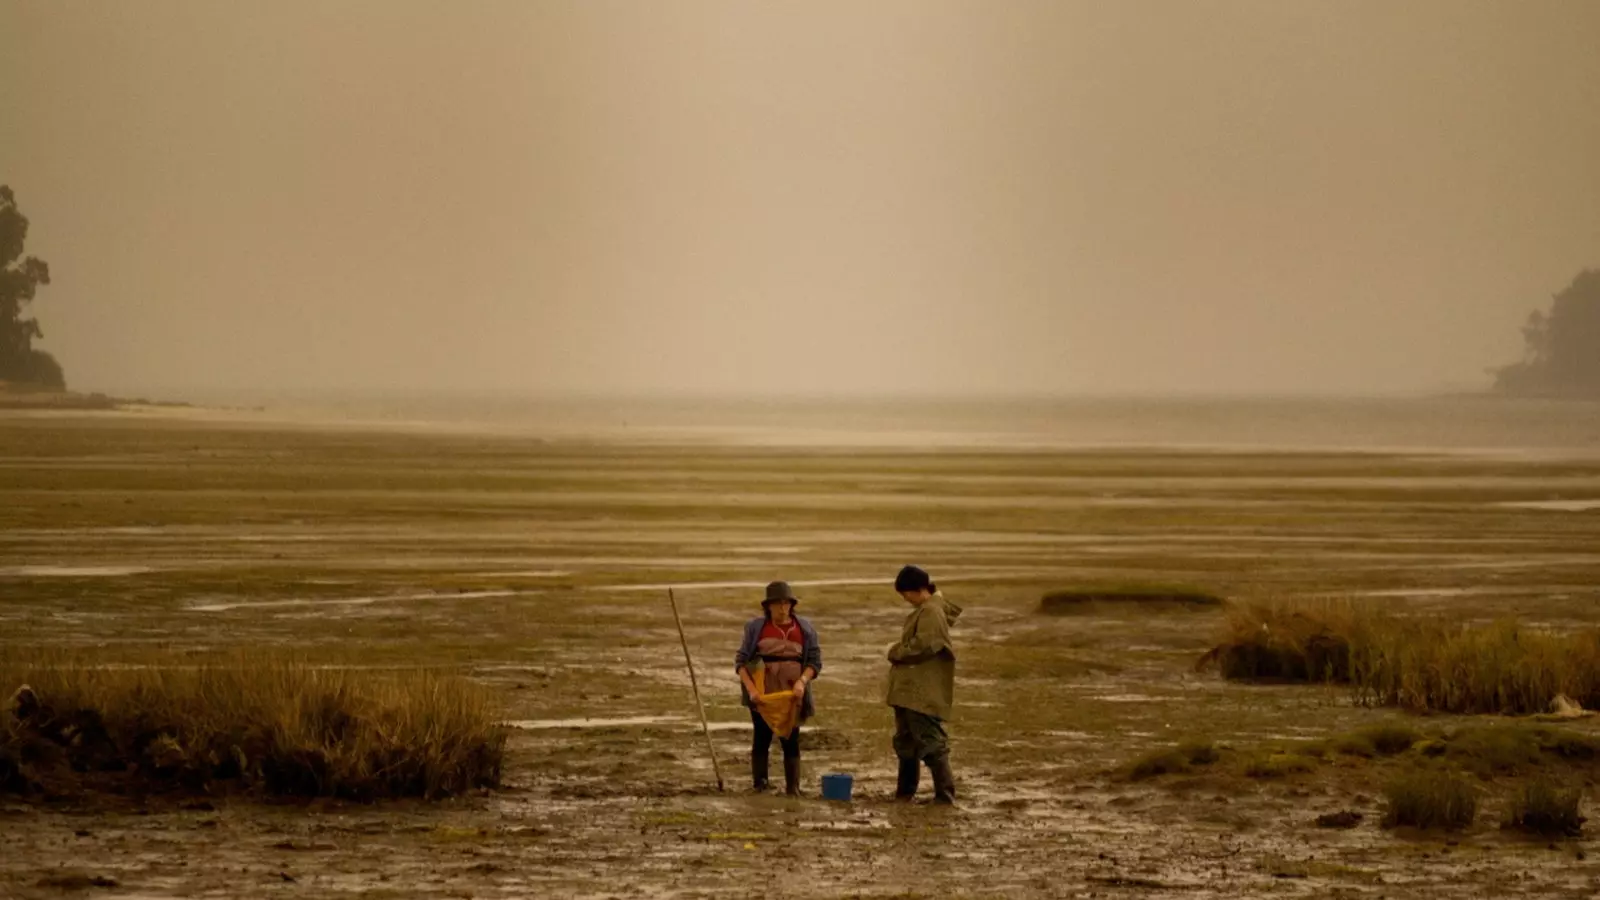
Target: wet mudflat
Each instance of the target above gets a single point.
(540, 567)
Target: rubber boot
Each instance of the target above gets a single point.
(910, 773)
(791, 775)
(944, 781)
(758, 771)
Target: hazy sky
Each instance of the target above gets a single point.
(819, 197)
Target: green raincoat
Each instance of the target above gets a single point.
(922, 672)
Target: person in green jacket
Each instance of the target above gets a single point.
(922, 674)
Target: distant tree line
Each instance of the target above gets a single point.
(20, 361)
(1561, 357)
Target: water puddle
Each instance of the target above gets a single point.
(814, 582)
(678, 722)
(862, 822)
(346, 601)
(1542, 562)
(1555, 505)
(75, 571)
(730, 726)
(1445, 592)
(731, 585)
(617, 722)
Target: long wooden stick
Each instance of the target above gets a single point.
(698, 705)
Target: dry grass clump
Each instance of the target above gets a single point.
(1413, 663)
(1135, 596)
(1310, 641)
(1430, 799)
(1545, 809)
(1502, 667)
(249, 722)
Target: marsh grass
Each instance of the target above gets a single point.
(254, 722)
(1173, 761)
(1544, 808)
(1279, 765)
(1430, 799)
(1412, 663)
(1487, 752)
(1308, 641)
(1376, 740)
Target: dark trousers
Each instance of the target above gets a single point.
(763, 740)
(918, 736)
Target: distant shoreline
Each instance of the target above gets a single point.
(1475, 424)
(72, 401)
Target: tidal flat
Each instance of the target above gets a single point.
(538, 568)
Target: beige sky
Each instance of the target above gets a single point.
(812, 197)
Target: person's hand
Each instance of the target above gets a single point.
(888, 651)
(800, 689)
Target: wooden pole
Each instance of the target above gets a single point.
(693, 683)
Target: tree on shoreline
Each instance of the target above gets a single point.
(20, 278)
(1562, 347)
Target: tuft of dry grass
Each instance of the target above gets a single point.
(1543, 808)
(253, 722)
(1412, 663)
(1308, 641)
(1430, 799)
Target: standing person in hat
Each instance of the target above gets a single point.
(782, 650)
(922, 675)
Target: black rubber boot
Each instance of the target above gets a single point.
(791, 775)
(758, 771)
(944, 781)
(910, 773)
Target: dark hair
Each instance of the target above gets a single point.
(912, 578)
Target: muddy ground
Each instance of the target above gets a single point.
(541, 567)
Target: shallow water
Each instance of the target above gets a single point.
(1557, 505)
(615, 722)
(348, 601)
(75, 571)
(1452, 424)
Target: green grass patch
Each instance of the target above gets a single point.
(1093, 598)
(1278, 765)
(1492, 750)
(1173, 761)
(1544, 808)
(1376, 740)
(1430, 799)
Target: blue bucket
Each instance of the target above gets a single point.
(837, 787)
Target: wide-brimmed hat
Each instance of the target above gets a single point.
(780, 592)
